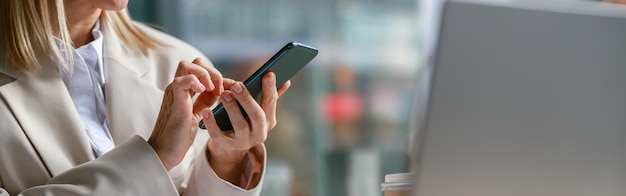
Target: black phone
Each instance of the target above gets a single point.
(285, 64)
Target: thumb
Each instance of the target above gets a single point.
(205, 116)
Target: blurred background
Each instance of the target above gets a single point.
(343, 123)
(346, 120)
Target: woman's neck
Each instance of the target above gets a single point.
(82, 17)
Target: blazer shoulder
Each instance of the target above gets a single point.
(173, 46)
(7, 73)
(5, 79)
(164, 59)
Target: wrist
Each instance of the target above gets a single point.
(167, 163)
(227, 164)
(227, 156)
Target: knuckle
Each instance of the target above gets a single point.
(204, 70)
(231, 107)
(212, 70)
(260, 140)
(262, 136)
(239, 126)
(246, 100)
(181, 63)
(272, 123)
(272, 94)
(257, 115)
(271, 101)
(179, 80)
(180, 69)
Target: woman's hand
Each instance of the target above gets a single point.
(176, 126)
(228, 148)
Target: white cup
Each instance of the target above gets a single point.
(399, 184)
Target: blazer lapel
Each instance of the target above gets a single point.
(133, 102)
(41, 104)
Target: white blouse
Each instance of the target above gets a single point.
(85, 85)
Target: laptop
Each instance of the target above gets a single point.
(526, 99)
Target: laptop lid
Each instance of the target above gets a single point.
(526, 99)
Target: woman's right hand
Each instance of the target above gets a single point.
(176, 125)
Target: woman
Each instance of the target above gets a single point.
(80, 89)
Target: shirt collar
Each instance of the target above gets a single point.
(97, 45)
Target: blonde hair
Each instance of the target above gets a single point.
(29, 28)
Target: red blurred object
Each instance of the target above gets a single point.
(342, 107)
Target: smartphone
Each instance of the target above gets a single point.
(285, 64)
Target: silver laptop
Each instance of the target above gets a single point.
(527, 99)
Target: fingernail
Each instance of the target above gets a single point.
(202, 88)
(237, 88)
(227, 97)
(205, 114)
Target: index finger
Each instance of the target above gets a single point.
(216, 76)
(204, 76)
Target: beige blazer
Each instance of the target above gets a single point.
(44, 149)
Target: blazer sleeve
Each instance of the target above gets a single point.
(204, 181)
(132, 168)
(3, 192)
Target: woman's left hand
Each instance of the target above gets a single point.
(228, 148)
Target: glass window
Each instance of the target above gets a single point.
(344, 122)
